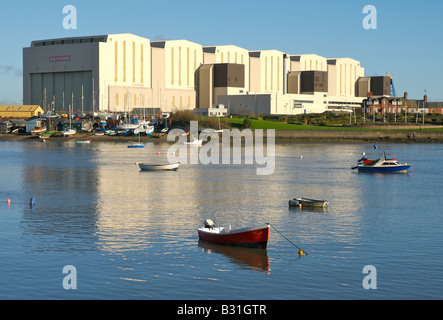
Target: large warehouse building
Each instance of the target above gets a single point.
(122, 72)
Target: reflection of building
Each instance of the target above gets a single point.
(120, 72)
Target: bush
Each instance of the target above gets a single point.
(247, 122)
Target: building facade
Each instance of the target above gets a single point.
(110, 72)
(123, 72)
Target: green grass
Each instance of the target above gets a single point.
(264, 124)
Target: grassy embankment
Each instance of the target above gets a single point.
(339, 123)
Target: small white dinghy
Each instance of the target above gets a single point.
(158, 167)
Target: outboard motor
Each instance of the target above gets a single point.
(209, 224)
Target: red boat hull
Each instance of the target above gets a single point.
(242, 237)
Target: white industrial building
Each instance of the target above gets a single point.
(121, 72)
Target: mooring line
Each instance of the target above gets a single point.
(301, 252)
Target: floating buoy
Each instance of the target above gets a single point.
(158, 153)
(8, 201)
(300, 252)
(300, 205)
(301, 157)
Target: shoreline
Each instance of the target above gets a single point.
(412, 135)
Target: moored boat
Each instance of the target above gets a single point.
(136, 145)
(159, 167)
(308, 203)
(384, 166)
(249, 236)
(196, 142)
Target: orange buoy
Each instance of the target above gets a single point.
(8, 201)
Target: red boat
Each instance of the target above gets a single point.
(249, 237)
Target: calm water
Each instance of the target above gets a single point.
(132, 234)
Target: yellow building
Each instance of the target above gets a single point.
(23, 111)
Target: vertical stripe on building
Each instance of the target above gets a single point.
(187, 66)
(341, 91)
(116, 61)
(179, 66)
(133, 62)
(141, 61)
(272, 73)
(266, 73)
(124, 61)
(172, 66)
(195, 60)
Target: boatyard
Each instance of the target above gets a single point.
(410, 134)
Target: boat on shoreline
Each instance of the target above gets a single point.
(158, 167)
(308, 203)
(245, 237)
(38, 131)
(69, 132)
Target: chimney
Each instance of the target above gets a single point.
(406, 95)
(425, 98)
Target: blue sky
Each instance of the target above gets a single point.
(408, 41)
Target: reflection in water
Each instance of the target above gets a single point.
(98, 193)
(134, 234)
(248, 258)
(62, 181)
